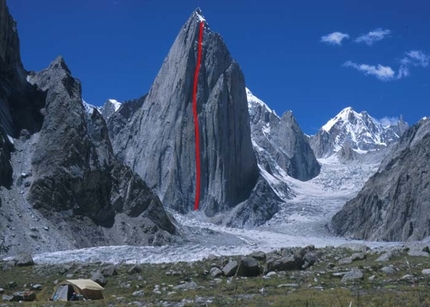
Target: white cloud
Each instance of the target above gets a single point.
(403, 72)
(383, 73)
(334, 38)
(388, 121)
(416, 58)
(373, 36)
(412, 58)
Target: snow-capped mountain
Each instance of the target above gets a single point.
(106, 110)
(359, 132)
(109, 107)
(280, 146)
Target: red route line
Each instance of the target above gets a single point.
(196, 119)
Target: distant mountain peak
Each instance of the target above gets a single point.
(359, 131)
(252, 99)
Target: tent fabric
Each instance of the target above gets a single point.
(86, 287)
(60, 293)
(85, 284)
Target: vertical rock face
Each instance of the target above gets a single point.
(73, 165)
(5, 167)
(394, 204)
(280, 140)
(19, 102)
(160, 144)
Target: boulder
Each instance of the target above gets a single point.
(187, 286)
(24, 259)
(249, 267)
(230, 268)
(258, 255)
(216, 272)
(388, 270)
(354, 274)
(310, 259)
(99, 278)
(135, 269)
(343, 261)
(388, 255)
(108, 271)
(283, 264)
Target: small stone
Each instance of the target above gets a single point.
(270, 274)
(1, 290)
(171, 293)
(216, 272)
(288, 286)
(329, 266)
(69, 276)
(388, 270)
(358, 256)
(354, 274)
(408, 277)
(426, 272)
(138, 293)
(36, 287)
(187, 286)
(344, 261)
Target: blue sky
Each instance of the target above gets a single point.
(116, 47)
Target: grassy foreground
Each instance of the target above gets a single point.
(318, 286)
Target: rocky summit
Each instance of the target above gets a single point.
(158, 142)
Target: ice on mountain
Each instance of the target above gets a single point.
(116, 104)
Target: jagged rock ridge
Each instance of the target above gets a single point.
(280, 143)
(359, 132)
(394, 204)
(57, 168)
(159, 140)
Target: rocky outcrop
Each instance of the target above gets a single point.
(73, 166)
(119, 132)
(359, 132)
(158, 142)
(5, 167)
(394, 204)
(279, 142)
